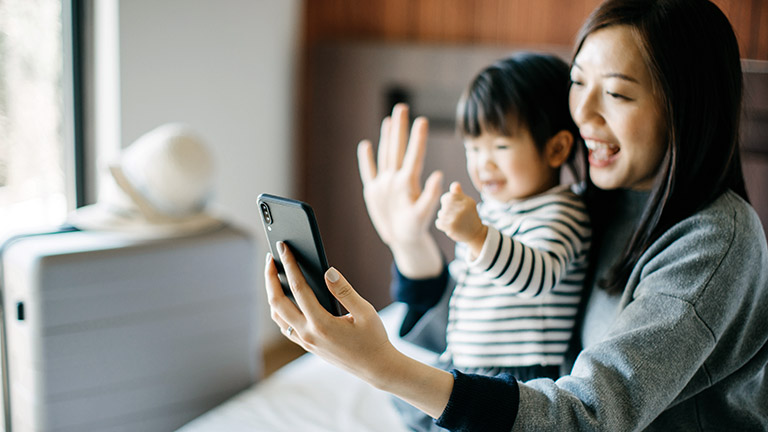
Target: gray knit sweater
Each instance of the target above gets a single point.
(685, 347)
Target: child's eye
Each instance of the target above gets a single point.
(502, 147)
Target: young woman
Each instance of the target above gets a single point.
(673, 333)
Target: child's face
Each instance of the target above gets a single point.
(504, 168)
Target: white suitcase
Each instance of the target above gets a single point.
(109, 332)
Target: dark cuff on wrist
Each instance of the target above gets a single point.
(481, 403)
(418, 293)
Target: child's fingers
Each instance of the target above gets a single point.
(456, 188)
(446, 214)
(454, 195)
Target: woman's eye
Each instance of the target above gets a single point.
(617, 95)
(576, 82)
(502, 147)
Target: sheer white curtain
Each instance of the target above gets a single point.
(35, 114)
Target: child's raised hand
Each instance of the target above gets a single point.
(459, 220)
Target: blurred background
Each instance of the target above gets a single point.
(282, 90)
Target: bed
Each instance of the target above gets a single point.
(310, 395)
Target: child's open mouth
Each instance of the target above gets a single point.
(493, 186)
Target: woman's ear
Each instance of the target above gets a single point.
(558, 148)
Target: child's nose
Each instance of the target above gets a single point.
(487, 159)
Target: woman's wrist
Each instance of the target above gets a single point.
(419, 259)
(423, 386)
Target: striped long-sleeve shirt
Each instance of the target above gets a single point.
(515, 304)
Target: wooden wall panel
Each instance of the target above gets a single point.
(759, 42)
(487, 30)
(503, 22)
(745, 16)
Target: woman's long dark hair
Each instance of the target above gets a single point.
(692, 54)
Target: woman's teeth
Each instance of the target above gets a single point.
(601, 150)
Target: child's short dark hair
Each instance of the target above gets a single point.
(529, 89)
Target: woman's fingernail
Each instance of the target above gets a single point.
(332, 275)
(281, 247)
(269, 258)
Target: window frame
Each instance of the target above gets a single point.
(73, 39)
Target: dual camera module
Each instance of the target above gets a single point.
(266, 214)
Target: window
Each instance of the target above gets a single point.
(37, 175)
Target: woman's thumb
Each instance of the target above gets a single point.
(343, 291)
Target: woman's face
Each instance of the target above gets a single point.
(618, 115)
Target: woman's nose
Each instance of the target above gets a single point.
(585, 106)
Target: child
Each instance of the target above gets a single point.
(521, 253)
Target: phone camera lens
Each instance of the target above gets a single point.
(266, 213)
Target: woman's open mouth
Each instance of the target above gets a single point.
(601, 153)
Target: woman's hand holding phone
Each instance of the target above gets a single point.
(356, 342)
(401, 211)
(288, 221)
(360, 333)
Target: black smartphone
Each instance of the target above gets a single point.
(293, 222)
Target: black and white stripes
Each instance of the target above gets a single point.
(515, 303)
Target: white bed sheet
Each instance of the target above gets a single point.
(310, 395)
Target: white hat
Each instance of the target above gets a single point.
(162, 184)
